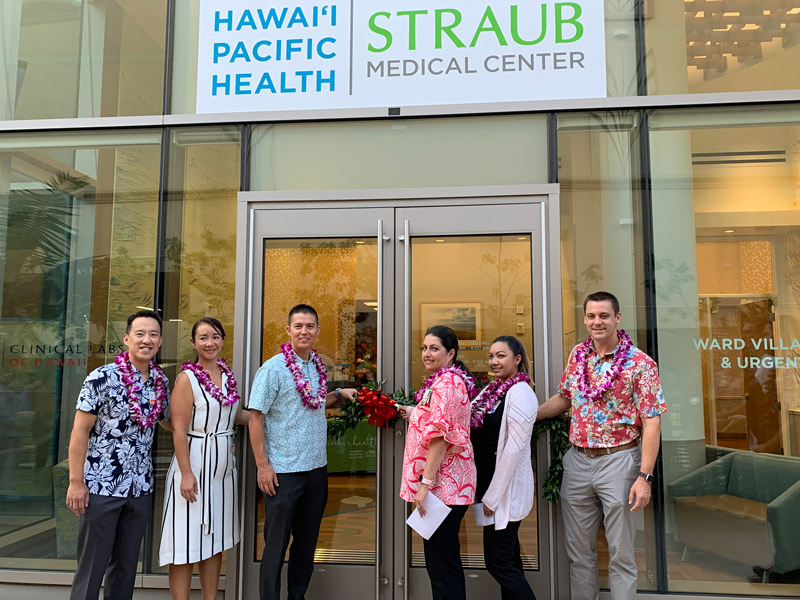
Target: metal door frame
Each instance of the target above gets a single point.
(547, 291)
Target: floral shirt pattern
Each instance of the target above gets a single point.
(295, 437)
(616, 418)
(446, 414)
(119, 460)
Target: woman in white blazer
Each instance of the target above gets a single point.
(503, 415)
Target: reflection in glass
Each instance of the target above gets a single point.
(701, 46)
(600, 241)
(200, 232)
(77, 253)
(339, 278)
(480, 286)
(727, 237)
(81, 58)
(401, 154)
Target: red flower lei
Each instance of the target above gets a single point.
(204, 379)
(303, 385)
(602, 386)
(123, 362)
(491, 396)
(468, 382)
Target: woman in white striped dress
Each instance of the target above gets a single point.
(201, 502)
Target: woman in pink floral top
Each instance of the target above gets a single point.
(439, 459)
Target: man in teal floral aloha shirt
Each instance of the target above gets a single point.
(615, 430)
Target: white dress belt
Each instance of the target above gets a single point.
(206, 475)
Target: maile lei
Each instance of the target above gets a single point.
(123, 362)
(490, 397)
(604, 384)
(422, 393)
(203, 377)
(303, 385)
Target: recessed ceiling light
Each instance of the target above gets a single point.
(359, 241)
(440, 241)
(729, 231)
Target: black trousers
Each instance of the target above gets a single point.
(109, 538)
(443, 558)
(501, 553)
(294, 511)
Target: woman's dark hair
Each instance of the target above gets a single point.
(517, 349)
(449, 340)
(209, 321)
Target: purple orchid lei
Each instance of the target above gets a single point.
(490, 397)
(203, 377)
(303, 385)
(123, 362)
(468, 382)
(604, 384)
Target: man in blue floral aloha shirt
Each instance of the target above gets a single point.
(288, 435)
(111, 464)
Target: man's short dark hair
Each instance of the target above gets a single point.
(303, 309)
(149, 314)
(602, 297)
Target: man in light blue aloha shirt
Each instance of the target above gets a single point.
(289, 444)
(111, 465)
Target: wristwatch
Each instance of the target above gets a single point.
(425, 480)
(648, 477)
(337, 393)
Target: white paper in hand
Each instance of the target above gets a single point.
(435, 512)
(481, 520)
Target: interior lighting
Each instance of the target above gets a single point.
(700, 14)
(750, 27)
(793, 11)
(145, 307)
(731, 14)
(440, 241)
(729, 230)
(724, 28)
(359, 241)
(370, 304)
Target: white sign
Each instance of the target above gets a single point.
(301, 55)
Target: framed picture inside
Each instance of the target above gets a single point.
(465, 318)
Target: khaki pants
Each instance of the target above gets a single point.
(596, 488)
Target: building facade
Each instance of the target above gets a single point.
(678, 189)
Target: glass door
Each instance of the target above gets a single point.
(335, 261)
(477, 269)
(378, 277)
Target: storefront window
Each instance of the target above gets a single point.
(402, 154)
(704, 46)
(200, 267)
(81, 58)
(598, 173)
(78, 216)
(727, 241)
